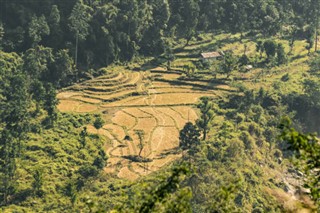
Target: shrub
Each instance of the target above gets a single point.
(88, 171)
(248, 141)
(98, 123)
(285, 77)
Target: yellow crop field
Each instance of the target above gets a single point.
(87, 108)
(159, 109)
(68, 105)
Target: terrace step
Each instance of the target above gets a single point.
(115, 97)
(130, 81)
(121, 78)
(110, 91)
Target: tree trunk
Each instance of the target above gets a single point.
(316, 42)
(204, 134)
(76, 53)
(5, 196)
(140, 152)
(188, 40)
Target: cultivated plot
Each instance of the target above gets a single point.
(143, 131)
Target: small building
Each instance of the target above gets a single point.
(211, 55)
(248, 67)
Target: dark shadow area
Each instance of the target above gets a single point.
(136, 158)
(212, 83)
(167, 152)
(21, 196)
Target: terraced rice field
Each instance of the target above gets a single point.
(160, 108)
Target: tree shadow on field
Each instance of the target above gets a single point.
(136, 158)
(168, 152)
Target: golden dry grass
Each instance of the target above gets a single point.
(164, 139)
(141, 168)
(161, 162)
(86, 100)
(123, 119)
(127, 174)
(147, 125)
(136, 112)
(162, 119)
(170, 76)
(175, 90)
(129, 101)
(68, 105)
(86, 108)
(118, 131)
(66, 95)
(186, 112)
(178, 98)
(114, 95)
(161, 84)
(159, 69)
(178, 119)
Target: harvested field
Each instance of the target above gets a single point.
(127, 174)
(68, 105)
(170, 76)
(186, 112)
(116, 131)
(176, 90)
(178, 98)
(137, 113)
(163, 139)
(160, 110)
(178, 119)
(124, 119)
(161, 118)
(86, 108)
(66, 95)
(86, 100)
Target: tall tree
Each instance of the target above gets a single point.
(1, 34)
(152, 42)
(79, 23)
(281, 55)
(99, 122)
(228, 64)
(189, 136)
(314, 13)
(56, 33)
(207, 115)
(184, 18)
(37, 29)
(62, 71)
(54, 17)
(36, 62)
(83, 137)
(309, 34)
(140, 134)
(50, 104)
(14, 115)
(270, 47)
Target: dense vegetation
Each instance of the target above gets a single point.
(235, 158)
